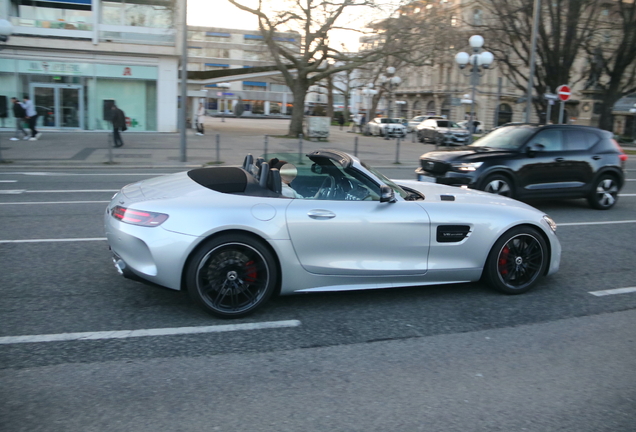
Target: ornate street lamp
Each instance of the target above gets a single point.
(391, 81)
(368, 92)
(6, 30)
(479, 61)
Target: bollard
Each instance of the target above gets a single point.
(2, 160)
(300, 148)
(412, 136)
(218, 148)
(355, 146)
(265, 150)
(397, 151)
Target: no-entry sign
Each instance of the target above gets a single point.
(563, 92)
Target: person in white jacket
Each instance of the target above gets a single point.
(200, 119)
(31, 117)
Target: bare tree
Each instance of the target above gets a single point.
(315, 21)
(564, 29)
(613, 56)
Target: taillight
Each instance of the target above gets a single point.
(622, 156)
(138, 217)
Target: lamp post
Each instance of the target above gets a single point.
(368, 93)
(206, 100)
(633, 111)
(479, 61)
(391, 81)
(224, 86)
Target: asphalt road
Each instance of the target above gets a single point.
(458, 357)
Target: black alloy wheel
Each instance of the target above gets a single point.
(499, 185)
(604, 194)
(232, 275)
(517, 260)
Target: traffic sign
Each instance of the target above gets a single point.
(564, 92)
(550, 96)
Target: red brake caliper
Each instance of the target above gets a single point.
(250, 272)
(503, 260)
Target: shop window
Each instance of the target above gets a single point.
(258, 107)
(54, 15)
(274, 108)
(255, 85)
(430, 108)
(138, 13)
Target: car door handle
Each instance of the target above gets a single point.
(596, 157)
(559, 159)
(321, 214)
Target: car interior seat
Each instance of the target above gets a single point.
(274, 182)
(248, 162)
(263, 175)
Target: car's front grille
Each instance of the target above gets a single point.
(434, 167)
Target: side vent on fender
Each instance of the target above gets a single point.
(452, 233)
(447, 197)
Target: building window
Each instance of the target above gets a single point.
(195, 51)
(217, 37)
(196, 35)
(68, 16)
(217, 52)
(138, 13)
(252, 39)
(254, 85)
(505, 114)
(430, 108)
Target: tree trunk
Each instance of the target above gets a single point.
(330, 97)
(298, 114)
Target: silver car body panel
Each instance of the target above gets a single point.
(322, 245)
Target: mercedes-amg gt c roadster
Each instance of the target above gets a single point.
(233, 236)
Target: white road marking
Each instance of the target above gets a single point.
(55, 240)
(8, 181)
(613, 291)
(624, 195)
(12, 192)
(71, 191)
(53, 202)
(125, 334)
(595, 223)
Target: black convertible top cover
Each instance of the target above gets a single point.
(220, 179)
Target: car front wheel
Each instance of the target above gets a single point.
(498, 185)
(516, 261)
(231, 275)
(604, 194)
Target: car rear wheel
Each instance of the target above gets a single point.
(498, 185)
(604, 194)
(232, 275)
(516, 261)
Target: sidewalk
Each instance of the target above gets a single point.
(237, 137)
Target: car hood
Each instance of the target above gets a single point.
(434, 192)
(466, 153)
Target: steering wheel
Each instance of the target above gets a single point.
(327, 189)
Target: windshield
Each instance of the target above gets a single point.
(509, 138)
(388, 120)
(446, 124)
(398, 190)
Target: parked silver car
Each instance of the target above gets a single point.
(441, 132)
(415, 121)
(234, 236)
(384, 126)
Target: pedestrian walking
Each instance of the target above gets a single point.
(19, 113)
(341, 120)
(200, 119)
(363, 122)
(119, 124)
(31, 117)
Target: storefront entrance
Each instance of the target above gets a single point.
(58, 105)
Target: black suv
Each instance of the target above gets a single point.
(533, 161)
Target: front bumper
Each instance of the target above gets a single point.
(450, 178)
(395, 132)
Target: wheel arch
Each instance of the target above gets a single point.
(541, 232)
(215, 235)
(498, 171)
(614, 172)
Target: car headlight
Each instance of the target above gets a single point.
(466, 166)
(552, 223)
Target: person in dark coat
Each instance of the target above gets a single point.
(19, 113)
(341, 120)
(119, 124)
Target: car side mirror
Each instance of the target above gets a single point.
(387, 194)
(533, 148)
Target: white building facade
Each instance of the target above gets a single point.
(75, 58)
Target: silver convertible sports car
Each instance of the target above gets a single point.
(234, 236)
